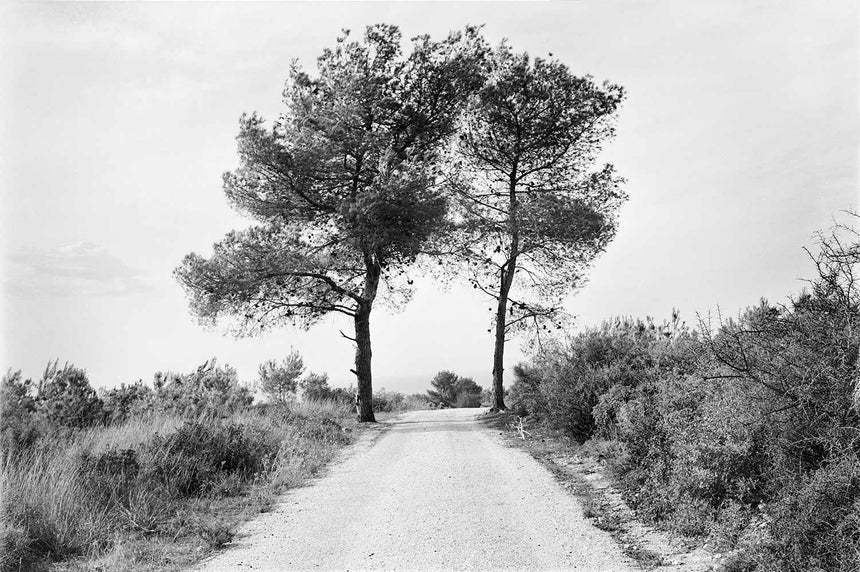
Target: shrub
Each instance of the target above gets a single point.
(448, 387)
(15, 550)
(747, 432)
(110, 475)
(83, 493)
(126, 401)
(46, 504)
(814, 524)
(211, 390)
(315, 387)
(193, 460)
(391, 401)
(19, 428)
(444, 392)
(388, 401)
(416, 401)
(66, 398)
(468, 400)
(62, 400)
(279, 381)
(343, 395)
(566, 380)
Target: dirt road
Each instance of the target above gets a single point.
(437, 490)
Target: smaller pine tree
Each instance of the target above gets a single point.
(279, 381)
(451, 390)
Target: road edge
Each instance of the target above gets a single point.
(584, 477)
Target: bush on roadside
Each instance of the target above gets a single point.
(280, 380)
(79, 494)
(388, 401)
(567, 380)
(747, 432)
(193, 460)
(19, 426)
(468, 400)
(394, 401)
(416, 401)
(60, 402)
(451, 390)
(66, 398)
(315, 387)
(210, 390)
(63, 401)
(126, 401)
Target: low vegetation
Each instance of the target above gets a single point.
(281, 383)
(744, 432)
(147, 477)
(451, 390)
(394, 402)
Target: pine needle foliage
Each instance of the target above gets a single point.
(343, 188)
(530, 203)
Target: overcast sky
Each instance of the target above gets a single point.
(738, 139)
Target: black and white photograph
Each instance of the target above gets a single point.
(430, 285)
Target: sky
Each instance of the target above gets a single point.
(738, 140)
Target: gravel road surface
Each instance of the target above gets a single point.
(436, 490)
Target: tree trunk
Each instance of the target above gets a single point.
(505, 282)
(364, 396)
(499, 353)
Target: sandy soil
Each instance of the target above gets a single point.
(436, 490)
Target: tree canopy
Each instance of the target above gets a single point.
(342, 186)
(529, 203)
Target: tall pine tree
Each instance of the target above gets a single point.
(343, 188)
(530, 205)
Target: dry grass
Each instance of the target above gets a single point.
(323, 408)
(43, 509)
(129, 435)
(60, 503)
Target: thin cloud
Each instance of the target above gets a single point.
(83, 268)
